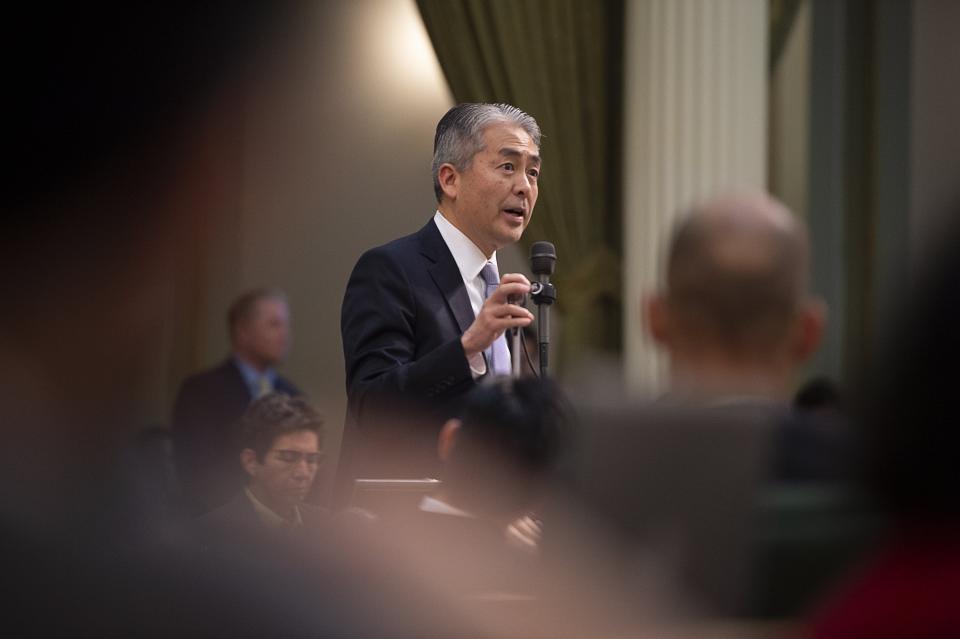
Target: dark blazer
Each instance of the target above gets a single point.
(205, 436)
(404, 311)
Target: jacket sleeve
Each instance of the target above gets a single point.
(379, 325)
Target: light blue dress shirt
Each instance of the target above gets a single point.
(251, 376)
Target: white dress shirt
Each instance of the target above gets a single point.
(470, 260)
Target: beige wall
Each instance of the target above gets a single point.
(934, 135)
(695, 123)
(337, 160)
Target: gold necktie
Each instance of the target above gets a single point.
(264, 386)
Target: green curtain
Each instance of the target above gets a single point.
(783, 15)
(561, 61)
(859, 189)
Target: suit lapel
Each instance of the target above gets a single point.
(446, 275)
(234, 378)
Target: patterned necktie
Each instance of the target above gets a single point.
(498, 357)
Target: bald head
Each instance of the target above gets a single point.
(736, 274)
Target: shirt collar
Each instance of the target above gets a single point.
(270, 518)
(470, 259)
(251, 375)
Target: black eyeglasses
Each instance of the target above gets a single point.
(294, 457)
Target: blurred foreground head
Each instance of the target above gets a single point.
(125, 142)
(909, 585)
(735, 315)
(498, 451)
(126, 134)
(910, 417)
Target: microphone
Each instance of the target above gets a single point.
(543, 259)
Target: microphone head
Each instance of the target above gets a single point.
(543, 257)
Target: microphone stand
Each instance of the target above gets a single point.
(544, 295)
(516, 353)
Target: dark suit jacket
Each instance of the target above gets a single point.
(403, 314)
(205, 437)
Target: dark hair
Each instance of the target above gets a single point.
(275, 415)
(817, 393)
(242, 308)
(518, 420)
(460, 134)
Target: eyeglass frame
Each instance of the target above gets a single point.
(295, 456)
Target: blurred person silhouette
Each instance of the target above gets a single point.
(735, 315)
(495, 457)
(693, 495)
(477, 537)
(124, 122)
(738, 321)
(210, 403)
(281, 452)
(909, 585)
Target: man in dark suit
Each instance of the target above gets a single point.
(210, 403)
(424, 316)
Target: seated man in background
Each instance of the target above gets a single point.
(281, 453)
(209, 403)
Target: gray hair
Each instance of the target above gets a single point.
(460, 134)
